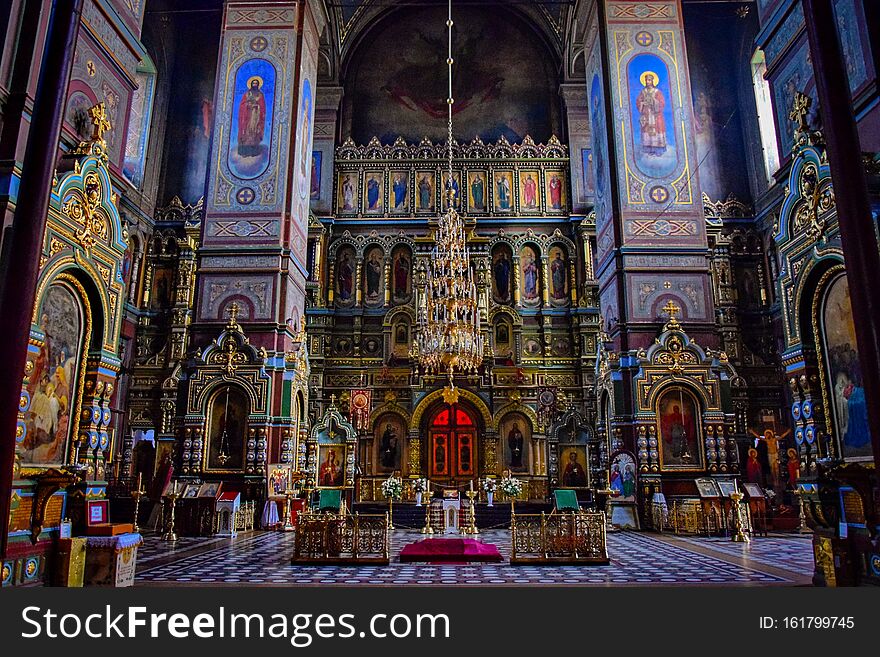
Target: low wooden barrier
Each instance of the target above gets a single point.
(328, 538)
(558, 538)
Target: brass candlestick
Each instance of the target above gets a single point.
(802, 516)
(739, 536)
(427, 529)
(472, 528)
(287, 525)
(137, 494)
(170, 535)
(390, 512)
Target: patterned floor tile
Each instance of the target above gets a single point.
(262, 558)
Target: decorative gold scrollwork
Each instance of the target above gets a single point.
(83, 207)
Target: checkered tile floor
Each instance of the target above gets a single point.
(262, 558)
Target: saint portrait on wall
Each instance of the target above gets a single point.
(252, 119)
(54, 378)
(477, 191)
(345, 272)
(516, 433)
(502, 274)
(573, 466)
(622, 476)
(374, 277)
(502, 339)
(652, 127)
(278, 481)
(425, 191)
(348, 199)
(331, 466)
(555, 185)
(678, 416)
(399, 191)
(401, 334)
(530, 272)
(162, 288)
(528, 191)
(374, 192)
(558, 276)
(454, 185)
(652, 117)
(304, 135)
(389, 435)
(401, 274)
(503, 190)
(844, 372)
(252, 111)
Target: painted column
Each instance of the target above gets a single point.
(254, 235)
(580, 147)
(651, 237)
(857, 227)
(651, 243)
(28, 227)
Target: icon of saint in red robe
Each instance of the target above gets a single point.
(252, 120)
(651, 103)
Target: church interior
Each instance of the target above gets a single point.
(481, 292)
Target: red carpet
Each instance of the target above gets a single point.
(450, 550)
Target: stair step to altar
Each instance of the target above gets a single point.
(412, 516)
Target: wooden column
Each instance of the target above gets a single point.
(851, 195)
(25, 236)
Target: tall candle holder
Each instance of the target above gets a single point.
(802, 516)
(391, 512)
(428, 529)
(472, 524)
(170, 536)
(137, 494)
(288, 525)
(739, 536)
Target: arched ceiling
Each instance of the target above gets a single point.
(350, 18)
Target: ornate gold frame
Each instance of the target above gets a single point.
(75, 412)
(209, 425)
(820, 293)
(700, 466)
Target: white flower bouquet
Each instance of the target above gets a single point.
(392, 488)
(511, 487)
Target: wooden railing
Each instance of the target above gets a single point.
(558, 538)
(323, 538)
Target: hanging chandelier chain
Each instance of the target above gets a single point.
(449, 338)
(450, 99)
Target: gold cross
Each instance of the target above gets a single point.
(671, 309)
(233, 314)
(333, 400)
(800, 110)
(100, 120)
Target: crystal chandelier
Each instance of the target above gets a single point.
(449, 338)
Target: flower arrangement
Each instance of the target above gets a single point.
(392, 488)
(419, 485)
(489, 485)
(510, 486)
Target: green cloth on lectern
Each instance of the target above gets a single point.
(566, 500)
(329, 500)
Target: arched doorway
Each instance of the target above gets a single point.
(452, 444)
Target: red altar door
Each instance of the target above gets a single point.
(453, 440)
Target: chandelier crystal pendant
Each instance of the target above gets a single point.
(449, 338)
